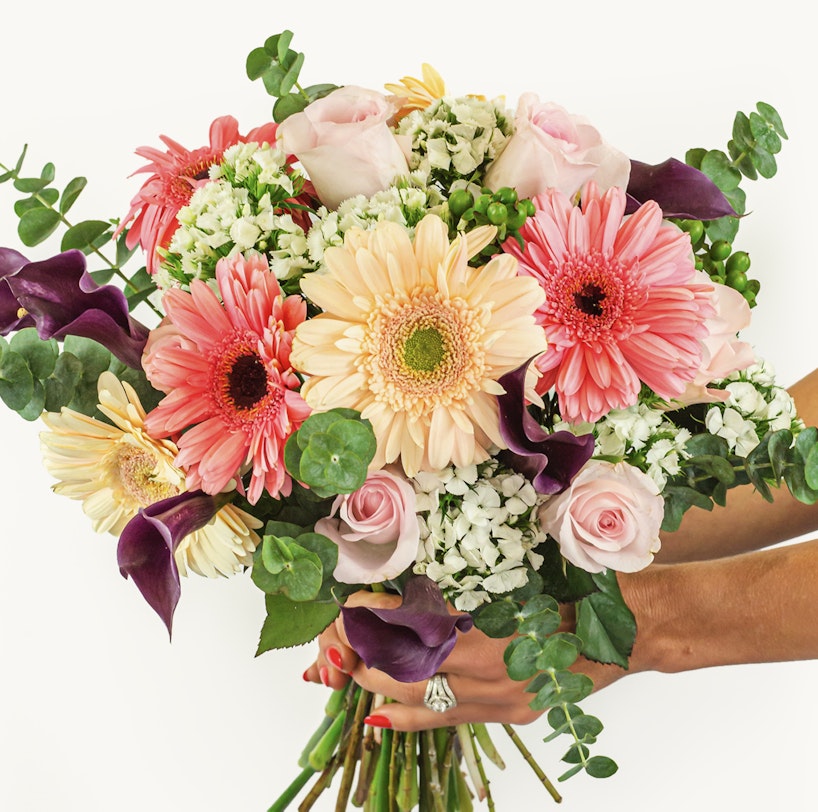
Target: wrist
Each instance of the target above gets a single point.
(650, 595)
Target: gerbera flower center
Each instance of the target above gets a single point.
(247, 381)
(424, 351)
(136, 471)
(243, 388)
(180, 184)
(593, 294)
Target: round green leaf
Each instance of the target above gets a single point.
(16, 381)
(600, 767)
(41, 355)
(37, 225)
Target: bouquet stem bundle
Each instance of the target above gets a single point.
(385, 770)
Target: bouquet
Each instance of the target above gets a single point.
(405, 342)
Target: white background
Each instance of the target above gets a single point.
(98, 711)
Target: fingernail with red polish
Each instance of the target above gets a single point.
(376, 720)
(306, 676)
(334, 656)
(324, 674)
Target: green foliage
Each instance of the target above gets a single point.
(781, 458)
(37, 376)
(293, 623)
(542, 654)
(605, 623)
(331, 452)
(42, 211)
(278, 67)
(756, 140)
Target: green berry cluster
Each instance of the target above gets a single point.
(503, 209)
(720, 262)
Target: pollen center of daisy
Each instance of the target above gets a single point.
(247, 381)
(589, 299)
(137, 475)
(424, 350)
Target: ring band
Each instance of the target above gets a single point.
(439, 696)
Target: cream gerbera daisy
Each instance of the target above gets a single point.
(416, 339)
(117, 469)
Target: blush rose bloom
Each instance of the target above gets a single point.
(609, 518)
(723, 353)
(376, 529)
(551, 148)
(344, 143)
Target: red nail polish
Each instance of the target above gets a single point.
(323, 672)
(376, 720)
(306, 676)
(334, 656)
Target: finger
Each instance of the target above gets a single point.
(465, 688)
(407, 718)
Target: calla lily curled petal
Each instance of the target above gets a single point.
(549, 461)
(147, 545)
(411, 641)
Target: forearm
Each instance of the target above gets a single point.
(758, 607)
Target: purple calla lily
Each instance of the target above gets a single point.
(147, 544)
(62, 299)
(411, 641)
(11, 317)
(679, 189)
(549, 461)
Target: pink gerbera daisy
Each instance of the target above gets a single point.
(232, 396)
(175, 174)
(623, 304)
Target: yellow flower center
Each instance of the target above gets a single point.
(136, 470)
(423, 351)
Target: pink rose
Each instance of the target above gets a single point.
(609, 518)
(344, 143)
(551, 148)
(722, 353)
(376, 531)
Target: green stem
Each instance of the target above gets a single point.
(352, 751)
(478, 762)
(526, 754)
(287, 797)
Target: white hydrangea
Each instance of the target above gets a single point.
(730, 424)
(755, 406)
(478, 531)
(456, 137)
(406, 202)
(239, 210)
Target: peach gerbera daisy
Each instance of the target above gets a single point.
(224, 362)
(116, 468)
(622, 302)
(416, 339)
(417, 94)
(174, 175)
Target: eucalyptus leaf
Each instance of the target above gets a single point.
(83, 235)
(30, 186)
(521, 656)
(41, 355)
(45, 199)
(600, 767)
(37, 225)
(71, 193)
(16, 380)
(497, 619)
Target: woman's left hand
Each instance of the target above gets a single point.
(475, 671)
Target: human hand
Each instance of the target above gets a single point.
(475, 670)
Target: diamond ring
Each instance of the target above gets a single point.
(439, 697)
